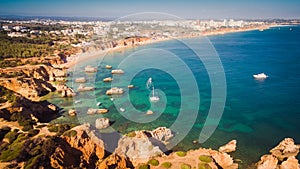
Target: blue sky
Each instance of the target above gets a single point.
(196, 9)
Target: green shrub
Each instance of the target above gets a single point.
(32, 162)
(154, 162)
(11, 136)
(21, 137)
(144, 166)
(205, 159)
(4, 146)
(131, 134)
(23, 120)
(53, 128)
(166, 165)
(33, 132)
(14, 150)
(181, 153)
(35, 151)
(185, 166)
(70, 133)
(203, 166)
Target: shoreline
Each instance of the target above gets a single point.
(81, 57)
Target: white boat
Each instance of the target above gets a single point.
(149, 84)
(112, 99)
(77, 101)
(122, 109)
(99, 103)
(153, 98)
(260, 76)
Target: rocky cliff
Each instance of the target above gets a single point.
(283, 156)
(31, 82)
(80, 147)
(83, 148)
(26, 109)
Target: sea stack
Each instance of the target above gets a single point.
(90, 69)
(117, 71)
(114, 90)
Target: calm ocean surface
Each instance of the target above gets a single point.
(258, 114)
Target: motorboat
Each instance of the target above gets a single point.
(260, 76)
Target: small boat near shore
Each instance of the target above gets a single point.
(99, 104)
(122, 109)
(130, 86)
(77, 101)
(150, 84)
(260, 76)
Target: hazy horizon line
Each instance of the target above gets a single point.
(26, 16)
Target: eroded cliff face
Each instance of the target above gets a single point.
(30, 88)
(84, 148)
(32, 82)
(43, 111)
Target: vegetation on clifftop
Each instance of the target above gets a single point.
(6, 95)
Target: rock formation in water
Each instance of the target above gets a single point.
(282, 156)
(229, 147)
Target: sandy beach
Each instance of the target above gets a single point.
(73, 60)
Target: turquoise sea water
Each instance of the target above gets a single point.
(258, 114)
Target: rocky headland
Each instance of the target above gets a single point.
(82, 147)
